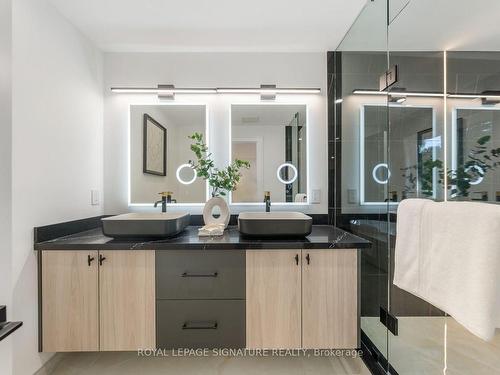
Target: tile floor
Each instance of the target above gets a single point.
(421, 348)
(125, 363)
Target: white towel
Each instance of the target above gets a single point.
(212, 230)
(300, 197)
(452, 259)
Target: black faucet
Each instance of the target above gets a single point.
(166, 197)
(267, 200)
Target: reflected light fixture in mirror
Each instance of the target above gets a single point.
(178, 174)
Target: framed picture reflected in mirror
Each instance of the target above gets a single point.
(154, 147)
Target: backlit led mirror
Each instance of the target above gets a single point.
(414, 173)
(160, 152)
(273, 138)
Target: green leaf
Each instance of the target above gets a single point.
(484, 139)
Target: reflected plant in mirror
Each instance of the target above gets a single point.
(480, 160)
(220, 181)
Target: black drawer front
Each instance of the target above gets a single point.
(200, 274)
(200, 324)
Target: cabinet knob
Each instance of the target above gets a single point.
(90, 259)
(102, 258)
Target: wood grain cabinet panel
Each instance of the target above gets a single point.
(127, 299)
(273, 283)
(69, 301)
(330, 299)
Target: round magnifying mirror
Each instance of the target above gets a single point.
(186, 174)
(381, 173)
(287, 173)
(478, 172)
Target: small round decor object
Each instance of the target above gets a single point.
(375, 170)
(178, 174)
(282, 168)
(221, 204)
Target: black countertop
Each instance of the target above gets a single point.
(322, 236)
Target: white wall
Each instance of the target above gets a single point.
(56, 148)
(211, 70)
(5, 173)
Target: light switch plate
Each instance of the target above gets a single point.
(94, 197)
(352, 196)
(316, 196)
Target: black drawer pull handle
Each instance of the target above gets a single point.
(200, 325)
(308, 258)
(185, 274)
(297, 259)
(102, 258)
(90, 259)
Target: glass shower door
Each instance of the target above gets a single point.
(416, 154)
(358, 147)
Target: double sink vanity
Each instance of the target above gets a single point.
(149, 280)
(260, 288)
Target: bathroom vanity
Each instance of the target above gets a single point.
(100, 294)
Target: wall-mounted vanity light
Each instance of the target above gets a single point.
(281, 168)
(178, 174)
(267, 92)
(163, 91)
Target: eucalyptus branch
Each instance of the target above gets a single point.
(221, 181)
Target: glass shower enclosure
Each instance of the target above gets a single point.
(402, 117)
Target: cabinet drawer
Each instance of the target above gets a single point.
(200, 324)
(200, 274)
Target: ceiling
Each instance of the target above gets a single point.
(427, 25)
(208, 25)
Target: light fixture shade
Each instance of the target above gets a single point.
(222, 90)
(160, 91)
(264, 90)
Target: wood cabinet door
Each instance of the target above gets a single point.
(69, 301)
(127, 299)
(330, 299)
(273, 283)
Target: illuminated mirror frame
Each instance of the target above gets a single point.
(384, 163)
(454, 137)
(206, 138)
(308, 182)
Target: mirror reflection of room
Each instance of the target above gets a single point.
(160, 152)
(273, 138)
(413, 142)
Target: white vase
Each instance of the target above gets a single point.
(224, 217)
